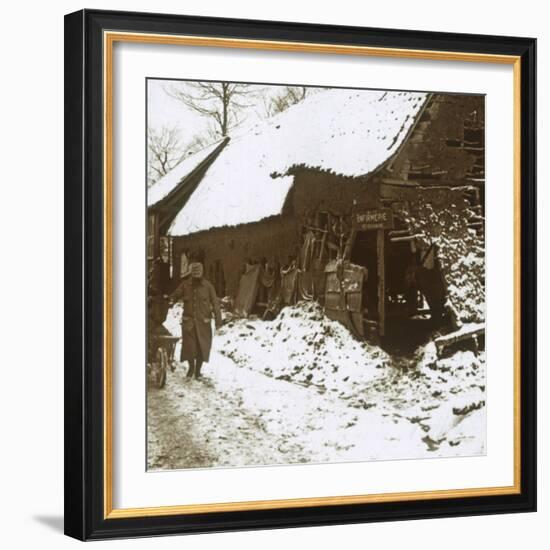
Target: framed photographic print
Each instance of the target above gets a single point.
(300, 274)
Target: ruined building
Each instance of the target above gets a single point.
(369, 201)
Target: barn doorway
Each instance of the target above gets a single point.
(392, 298)
(409, 319)
(365, 253)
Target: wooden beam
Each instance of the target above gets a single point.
(399, 232)
(405, 238)
(381, 258)
(465, 333)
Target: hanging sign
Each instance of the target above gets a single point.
(379, 218)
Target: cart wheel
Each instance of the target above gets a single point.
(162, 362)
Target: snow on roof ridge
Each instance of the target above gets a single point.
(346, 132)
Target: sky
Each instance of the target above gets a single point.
(164, 110)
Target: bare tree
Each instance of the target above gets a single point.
(197, 143)
(222, 102)
(288, 97)
(166, 150)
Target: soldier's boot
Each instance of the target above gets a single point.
(191, 370)
(198, 366)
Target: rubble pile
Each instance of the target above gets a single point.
(460, 251)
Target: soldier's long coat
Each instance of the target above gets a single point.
(200, 304)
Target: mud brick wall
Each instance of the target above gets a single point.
(275, 238)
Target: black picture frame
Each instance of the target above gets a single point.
(84, 282)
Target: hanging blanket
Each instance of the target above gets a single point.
(288, 285)
(248, 290)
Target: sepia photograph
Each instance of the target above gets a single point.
(300, 273)
(315, 274)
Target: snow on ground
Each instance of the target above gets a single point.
(300, 389)
(237, 417)
(348, 132)
(303, 346)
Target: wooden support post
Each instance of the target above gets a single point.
(154, 233)
(381, 258)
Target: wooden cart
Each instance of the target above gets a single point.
(161, 357)
(160, 343)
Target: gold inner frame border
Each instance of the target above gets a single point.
(109, 39)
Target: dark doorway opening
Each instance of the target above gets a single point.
(403, 296)
(408, 320)
(365, 253)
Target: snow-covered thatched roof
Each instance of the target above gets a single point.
(165, 185)
(347, 132)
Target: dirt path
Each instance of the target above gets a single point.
(236, 417)
(198, 424)
(172, 440)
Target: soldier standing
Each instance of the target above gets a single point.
(200, 304)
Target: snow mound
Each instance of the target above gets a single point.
(304, 346)
(438, 403)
